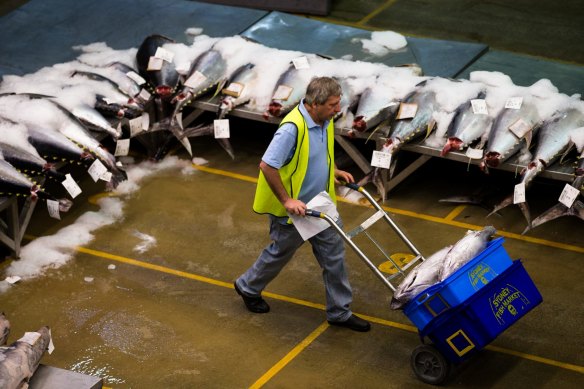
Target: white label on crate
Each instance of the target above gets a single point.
(132, 75)
(282, 93)
(154, 64)
(30, 338)
(569, 195)
(221, 128)
(479, 107)
(520, 128)
(407, 110)
(301, 63)
(519, 193)
(71, 186)
(474, 153)
(369, 222)
(122, 147)
(234, 89)
(53, 208)
(381, 159)
(514, 103)
(196, 79)
(144, 94)
(96, 170)
(164, 54)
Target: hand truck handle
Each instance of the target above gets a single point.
(312, 212)
(351, 185)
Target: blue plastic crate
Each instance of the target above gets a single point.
(460, 285)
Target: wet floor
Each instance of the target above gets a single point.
(168, 316)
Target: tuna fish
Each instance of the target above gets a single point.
(289, 90)
(19, 361)
(91, 119)
(54, 146)
(163, 81)
(239, 89)
(466, 249)
(28, 163)
(4, 329)
(375, 106)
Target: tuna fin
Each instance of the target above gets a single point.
(219, 88)
(568, 149)
(503, 204)
(528, 139)
(555, 212)
(430, 127)
(226, 144)
(525, 210)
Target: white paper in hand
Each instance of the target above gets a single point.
(309, 226)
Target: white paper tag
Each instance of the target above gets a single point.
(221, 128)
(164, 54)
(13, 279)
(474, 153)
(520, 128)
(479, 107)
(146, 121)
(407, 110)
(53, 208)
(51, 346)
(71, 186)
(196, 79)
(132, 75)
(144, 94)
(122, 147)
(301, 63)
(519, 193)
(30, 338)
(234, 89)
(107, 176)
(96, 170)
(282, 93)
(514, 103)
(135, 126)
(154, 64)
(569, 195)
(381, 159)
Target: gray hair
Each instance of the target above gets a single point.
(320, 89)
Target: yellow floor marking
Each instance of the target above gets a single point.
(225, 173)
(455, 212)
(93, 199)
(405, 327)
(376, 12)
(290, 356)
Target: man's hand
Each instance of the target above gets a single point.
(295, 207)
(341, 175)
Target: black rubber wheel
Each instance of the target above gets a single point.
(429, 364)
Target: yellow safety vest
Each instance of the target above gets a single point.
(293, 173)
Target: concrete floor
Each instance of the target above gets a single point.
(169, 317)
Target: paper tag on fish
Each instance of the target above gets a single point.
(107, 176)
(221, 128)
(154, 64)
(474, 153)
(514, 103)
(132, 75)
(53, 208)
(30, 338)
(479, 107)
(282, 93)
(520, 128)
(569, 195)
(135, 126)
(51, 346)
(196, 79)
(96, 170)
(519, 193)
(234, 89)
(13, 279)
(164, 54)
(407, 110)
(146, 121)
(301, 63)
(71, 186)
(144, 94)
(122, 147)
(381, 159)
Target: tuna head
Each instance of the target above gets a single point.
(165, 79)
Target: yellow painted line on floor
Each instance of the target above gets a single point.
(405, 327)
(455, 212)
(290, 356)
(376, 12)
(93, 199)
(225, 173)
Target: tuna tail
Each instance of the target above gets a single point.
(203, 130)
(509, 201)
(555, 212)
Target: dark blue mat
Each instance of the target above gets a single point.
(43, 32)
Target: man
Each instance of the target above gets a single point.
(297, 165)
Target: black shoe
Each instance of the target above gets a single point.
(354, 323)
(254, 304)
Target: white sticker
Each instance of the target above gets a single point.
(196, 79)
(520, 128)
(221, 128)
(282, 93)
(53, 208)
(301, 63)
(71, 186)
(30, 338)
(154, 64)
(135, 126)
(51, 346)
(519, 193)
(381, 159)
(569, 195)
(407, 110)
(479, 107)
(13, 279)
(234, 89)
(164, 54)
(122, 147)
(144, 94)
(132, 75)
(514, 103)
(96, 170)
(474, 153)
(107, 176)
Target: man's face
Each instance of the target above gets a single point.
(327, 110)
